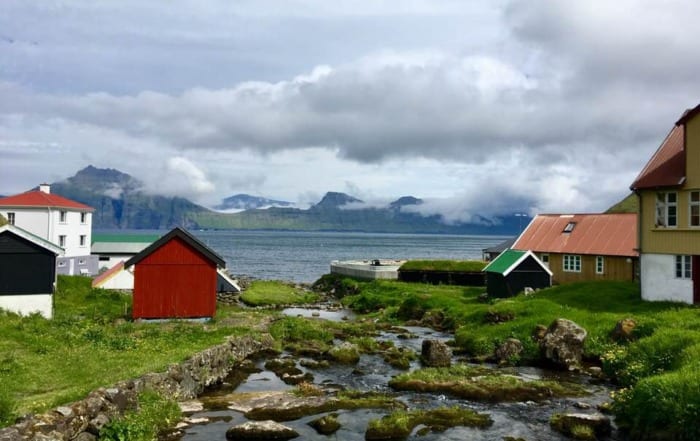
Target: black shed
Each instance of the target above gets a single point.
(513, 271)
(27, 271)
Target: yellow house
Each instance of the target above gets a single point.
(669, 215)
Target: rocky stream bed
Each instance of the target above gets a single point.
(255, 393)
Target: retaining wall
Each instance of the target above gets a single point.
(83, 420)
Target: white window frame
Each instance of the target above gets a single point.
(83, 218)
(83, 240)
(62, 240)
(600, 264)
(666, 209)
(62, 217)
(544, 258)
(11, 217)
(694, 205)
(571, 263)
(684, 267)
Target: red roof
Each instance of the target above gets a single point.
(38, 198)
(667, 167)
(597, 234)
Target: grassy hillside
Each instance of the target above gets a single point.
(629, 204)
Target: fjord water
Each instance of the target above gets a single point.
(306, 256)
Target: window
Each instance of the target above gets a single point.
(11, 218)
(104, 259)
(83, 240)
(61, 263)
(545, 259)
(666, 209)
(599, 264)
(62, 217)
(569, 227)
(684, 268)
(62, 240)
(572, 263)
(81, 261)
(693, 209)
(83, 218)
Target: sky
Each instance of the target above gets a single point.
(477, 107)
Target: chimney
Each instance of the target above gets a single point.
(45, 188)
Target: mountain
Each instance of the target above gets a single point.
(120, 201)
(241, 202)
(630, 204)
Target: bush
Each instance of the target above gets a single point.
(664, 351)
(155, 414)
(474, 344)
(297, 329)
(667, 405)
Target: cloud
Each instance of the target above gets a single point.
(181, 177)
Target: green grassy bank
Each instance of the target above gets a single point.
(91, 343)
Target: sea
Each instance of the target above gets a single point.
(303, 257)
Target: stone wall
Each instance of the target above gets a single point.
(83, 419)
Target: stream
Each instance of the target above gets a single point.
(528, 421)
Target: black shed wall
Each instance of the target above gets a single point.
(25, 268)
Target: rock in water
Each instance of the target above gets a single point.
(509, 352)
(598, 424)
(562, 345)
(435, 353)
(260, 431)
(326, 425)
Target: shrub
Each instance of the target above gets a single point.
(474, 344)
(297, 329)
(662, 352)
(667, 405)
(155, 414)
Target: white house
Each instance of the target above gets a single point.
(61, 221)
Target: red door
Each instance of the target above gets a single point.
(696, 279)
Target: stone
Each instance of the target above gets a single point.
(326, 425)
(10, 434)
(562, 345)
(624, 330)
(598, 423)
(85, 436)
(436, 353)
(539, 332)
(260, 430)
(509, 351)
(96, 424)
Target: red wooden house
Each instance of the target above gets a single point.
(175, 277)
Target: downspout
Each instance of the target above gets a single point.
(640, 215)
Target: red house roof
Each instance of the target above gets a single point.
(666, 168)
(37, 198)
(597, 234)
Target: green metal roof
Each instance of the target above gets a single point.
(121, 238)
(504, 261)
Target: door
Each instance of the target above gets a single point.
(696, 279)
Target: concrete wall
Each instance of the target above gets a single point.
(77, 265)
(28, 303)
(659, 282)
(363, 269)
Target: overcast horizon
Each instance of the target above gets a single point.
(479, 108)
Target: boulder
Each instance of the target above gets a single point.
(509, 351)
(539, 332)
(10, 434)
(562, 345)
(436, 353)
(260, 430)
(326, 425)
(624, 330)
(598, 425)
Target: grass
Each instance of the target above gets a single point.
(659, 368)
(155, 414)
(400, 424)
(91, 343)
(482, 384)
(444, 265)
(269, 292)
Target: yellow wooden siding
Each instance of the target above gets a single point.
(681, 239)
(615, 268)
